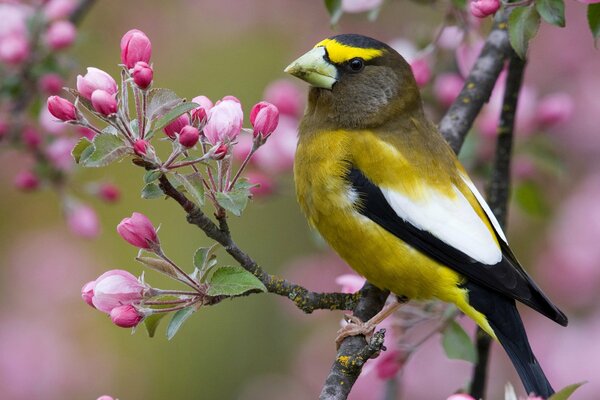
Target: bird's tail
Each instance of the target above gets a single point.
(502, 315)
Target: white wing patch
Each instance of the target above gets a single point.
(485, 207)
(452, 220)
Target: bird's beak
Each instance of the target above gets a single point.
(313, 68)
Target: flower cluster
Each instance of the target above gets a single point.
(33, 40)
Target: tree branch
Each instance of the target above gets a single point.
(304, 299)
(498, 193)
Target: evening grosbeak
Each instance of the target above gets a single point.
(377, 180)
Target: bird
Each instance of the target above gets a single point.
(380, 184)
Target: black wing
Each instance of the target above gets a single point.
(506, 277)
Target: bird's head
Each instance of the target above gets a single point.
(357, 82)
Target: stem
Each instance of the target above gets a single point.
(239, 172)
(498, 193)
(166, 302)
(161, 292)
(138, 110)
(190, 282)
(177, 308)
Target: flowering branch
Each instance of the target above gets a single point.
(498, 192)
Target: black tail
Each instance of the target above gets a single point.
(505, 320)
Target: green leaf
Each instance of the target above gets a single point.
(204, 261)
(566, 392)
(523, 24)
(175, 112)
(232, 281)
(236, 199)
(193, 185)
(458, 344)
(178, 319)
(151, 323)
(80, 148)
(160, 102)
(107, 149)
(152, 175)
(552, 11)
(159, 265)
(334, 8)
(593, 17)
(151, 191)
(460, 4)
(530, 197)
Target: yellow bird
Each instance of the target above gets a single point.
(377, 180)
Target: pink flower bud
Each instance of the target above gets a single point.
(126, 316)
(188, 136)
(83, 221)
(421, 71)
(87, 292)
(483, 8)
(60, 35)
(85, 132)
(58, 9)
(388, 364)
(105, 397)
(50, 124)
(51, 83)
(555, 109)
(224, 121)
(31, 138)
(230, 98)
(3, 127)
(62, 109)
(350, 283)
(142, 74)
(138, 231)
(14, 49)
(460, 396)
(140, 147)
(59, 153)
(199, 114)
(116, 288)
(451, 37)
(447, 87)
(264, 182)
(135, 46)
(285, 96)
(104, 102)
(220, 152)
(109, 192)
(264, 118)
(589, 1)
(26, 181)
(95, 79)
(358, 6)
(176, 125)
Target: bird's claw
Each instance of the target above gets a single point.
(354, 327)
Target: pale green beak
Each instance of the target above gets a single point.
(314, 69)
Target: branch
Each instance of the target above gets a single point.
(478, 85)
(304, 299)
(498, 193)
(454, 126)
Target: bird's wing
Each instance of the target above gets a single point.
(450, 231)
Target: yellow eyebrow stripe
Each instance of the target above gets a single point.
(339, 53)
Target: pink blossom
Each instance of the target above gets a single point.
(286, 96)
(243, 146)
(31, 138)
(277, 154)
(26, 181)
(87, 292)
(264, 118)
(447, 87)
(61, 108)
(460, 396)
(224, 121)
(14, 49)
(421, 71)
(135, 46)
(105, 397)
(220, 151)
(199, 114)
(555, 109)
(405, 48)
(51, 83)
(50, 124)
(176, 125)
(85, 132)
(4, 127)
(59, 153)
(466, 55)
(109, 192)
(60, 35)
(104, 102)
(350, 283)
(589, 1)
(116, 288)
(83, 221)
(523, 168)
(484, 8)
(188, 136)
(126, 316)
(58, 9)
(358, 6)
(451, 37)
(389, 364)
(95, 79)
(264, 182)
(140, 147)
(142, 74)
(138, 231)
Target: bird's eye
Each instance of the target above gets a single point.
(356, 64)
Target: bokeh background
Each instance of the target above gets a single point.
(53, 346)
